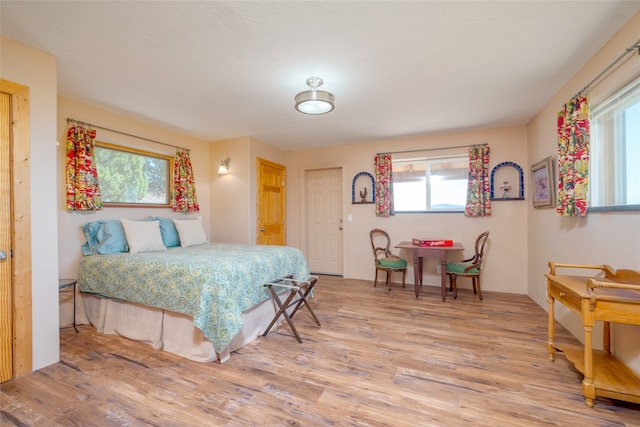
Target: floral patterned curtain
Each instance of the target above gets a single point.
(83, 190)
(384, 185)
(479, 184)
(573, 157)
(184, 186)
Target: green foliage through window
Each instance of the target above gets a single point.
(133, 177)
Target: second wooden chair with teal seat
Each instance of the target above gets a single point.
(384, 259)
(469, 268)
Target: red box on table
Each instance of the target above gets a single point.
(431, 242)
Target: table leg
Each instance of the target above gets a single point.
(588, 387)
(551, 332)
(443, 274)
(416, 274)
(74, 307)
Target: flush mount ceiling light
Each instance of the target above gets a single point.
(314, 101)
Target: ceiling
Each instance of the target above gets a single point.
(224, 69)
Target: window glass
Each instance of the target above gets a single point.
(130, 177)
(615, 149)
(430, 184)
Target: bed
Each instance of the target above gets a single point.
(201, 301)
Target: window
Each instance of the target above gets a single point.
(130, 177)
(615, 149)
(430, 185)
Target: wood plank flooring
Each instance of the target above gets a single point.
(379, 359)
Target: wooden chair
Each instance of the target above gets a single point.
(469, 268)
(384, 259)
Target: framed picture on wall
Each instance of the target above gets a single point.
(543, 183)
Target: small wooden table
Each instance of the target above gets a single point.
(439, 252)
(612, 298)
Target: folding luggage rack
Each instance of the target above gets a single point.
(301, 289)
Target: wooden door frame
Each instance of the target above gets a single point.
(21, 226)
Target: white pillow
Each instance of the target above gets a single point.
(143, 236)
(190, 231)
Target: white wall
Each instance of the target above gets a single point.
(37, 70)
(235, 218)
(507, 247)
(230, 221)
(601, 237)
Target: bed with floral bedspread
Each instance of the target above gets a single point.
(213, 283)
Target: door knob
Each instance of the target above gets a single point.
(3, 255)
(340, 228)
(261, 230)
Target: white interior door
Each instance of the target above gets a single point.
(324, 220)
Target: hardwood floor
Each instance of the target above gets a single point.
(379, 359)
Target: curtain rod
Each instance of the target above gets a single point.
(69, 120)
(432, 149)
(630, 49)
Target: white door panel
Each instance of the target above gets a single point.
(324, 220)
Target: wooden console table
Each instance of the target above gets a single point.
(612, 298)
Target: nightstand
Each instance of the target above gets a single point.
(69, 285)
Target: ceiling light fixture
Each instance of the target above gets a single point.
(315, 101)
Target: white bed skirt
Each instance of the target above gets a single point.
(170, 331)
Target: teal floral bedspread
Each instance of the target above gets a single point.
(213, 283)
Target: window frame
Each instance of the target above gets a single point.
(430, 160)
(165, 157)
(630, 86)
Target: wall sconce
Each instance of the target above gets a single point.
(224, 166)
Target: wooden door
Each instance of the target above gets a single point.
(16, 341)
(324, 220)
(271, 229)
(6, 319)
